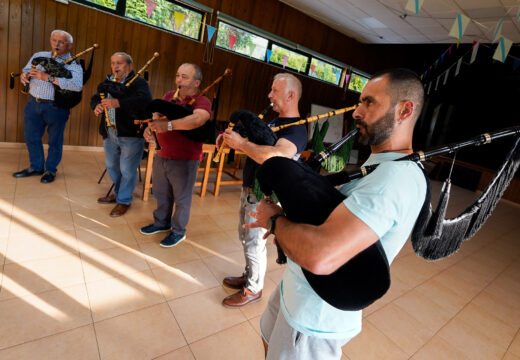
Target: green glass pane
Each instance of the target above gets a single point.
(295, 61)
(163, 16)
(357, 82)
(324, 71)
(246, 43)
(110, 4)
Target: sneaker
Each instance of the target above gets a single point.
(172, 239)
(152, 229)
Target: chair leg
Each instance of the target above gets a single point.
(102, 175)
(110, 190)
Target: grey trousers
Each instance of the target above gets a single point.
(286, 343)
(173, 182)
(253, 243)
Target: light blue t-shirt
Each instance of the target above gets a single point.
(388, 200)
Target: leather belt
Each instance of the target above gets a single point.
(42, 100)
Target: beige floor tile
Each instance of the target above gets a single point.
(99, 265)
(436, 349)
(443, 294)
(255, 323)
(36, 276)
(184, 279)
(41, 246)
(141, 334)
(212, 243)
(202, 314)
(238, 342)
(79, 344)
(372, 344)
(159, 256)
(115, 296)
(475, 344)
(494, 305)
(7, 190)
(37, 316)
(397, 289)
(227, 221)
(33, 206)
(256, 309)
(184, 353)
(499, 333)
(424, 309)
(464, 289)
(510, 356)
(32, 187)
(94, 218)
(51, 223)
(514, 347)
(230, 264)
(413, 270)
(200, 224)
(402, 328)
(276, 275)
(102, 238)
(86, 201)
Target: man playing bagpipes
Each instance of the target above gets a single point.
(381, 207)
(123, 141)
(284, 96)
(41, 112)
(175, 165)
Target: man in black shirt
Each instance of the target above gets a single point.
(285, 94)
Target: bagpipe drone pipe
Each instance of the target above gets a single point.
(307, 197)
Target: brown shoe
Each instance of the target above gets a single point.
(241, 298)
(119, 210)
(110, 199)
(235, 282)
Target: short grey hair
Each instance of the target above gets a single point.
(70, 40)
(292, 83)
(127, 57)
(198, 71)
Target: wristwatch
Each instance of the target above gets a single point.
(170, 127)
(51, 79)
(271, 222)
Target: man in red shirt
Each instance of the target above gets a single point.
(175, 166)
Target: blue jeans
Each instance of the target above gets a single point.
(122, 156)
(38, 116)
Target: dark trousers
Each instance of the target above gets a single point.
(173, 182)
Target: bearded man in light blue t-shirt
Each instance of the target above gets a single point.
(297, 323)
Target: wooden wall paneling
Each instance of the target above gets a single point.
(97, 31)
(162, 76)
(50, 20)
(39, 42)
(88, 35)
(13, 62)
(25, 54)
(61, 16)
(72, 128)
(4, 70)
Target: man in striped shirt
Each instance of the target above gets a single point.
(40, 111)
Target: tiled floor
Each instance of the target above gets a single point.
(78, 284)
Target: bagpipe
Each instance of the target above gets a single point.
(308, 197)
(65, 99)
(120, 90)
(206, 133)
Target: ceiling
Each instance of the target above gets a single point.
(387, 21)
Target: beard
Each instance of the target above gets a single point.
(379, 131)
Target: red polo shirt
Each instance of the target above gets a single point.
(174, 144)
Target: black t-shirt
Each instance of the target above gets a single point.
(296, 134)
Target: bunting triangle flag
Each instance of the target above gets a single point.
(442, 57)
(437, 83)
(232, 40)
(338, 75)
(459, 26)
(115, 2)
(446, 77)
(429, 87)
(474, 51)
(504, 45)
(414, 5)
(347, 77)
(498, 30)
(312, 68)
(179, 18)
(268, 55)
(150, 7)
(285, 58)
(252, 49)
(457, 69)
(449, 49)
(211, 31)
(516, 64)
